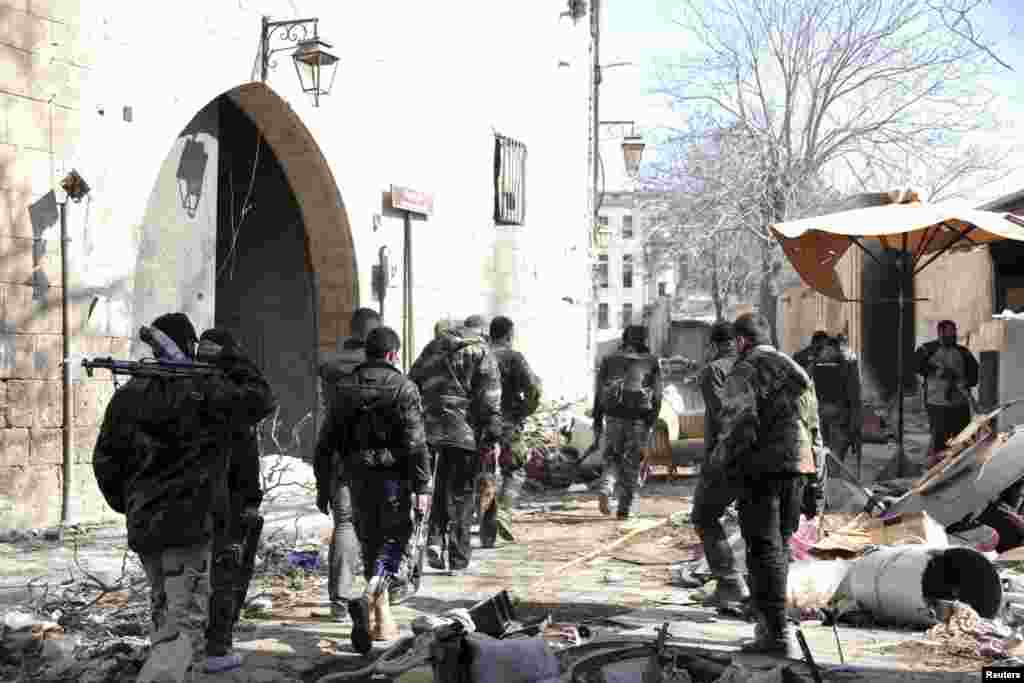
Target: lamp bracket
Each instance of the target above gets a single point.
(292, 32)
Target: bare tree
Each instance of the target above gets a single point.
(847, 89)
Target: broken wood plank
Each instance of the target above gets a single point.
(597, 553)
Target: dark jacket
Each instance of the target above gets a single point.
(836, 376)
(459, 380)
(160, 458)
(520, 387)
(712, 387)
(948, 372)
(376, 423)
(629, 386)
(762, 431)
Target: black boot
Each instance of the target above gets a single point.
(773, 637)
(359, 611)
(730, 589)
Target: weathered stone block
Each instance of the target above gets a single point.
(56, 10)
(50, 408)
(29, 311)
(16, 261)
(67, 128)
(47, 356)
(31, 497)
(14, 216)
(46, 446)
(91, 398)
(22, 399)
(85, 443)
(16, 356)
(28, 121)
(120, 347)
(22, 30)
(92, 345)
(14, 448)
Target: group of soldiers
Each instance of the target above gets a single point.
(400, 459)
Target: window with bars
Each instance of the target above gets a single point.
(601, 271)
(509, 181)
(627, 227)
(627, 272)
(602, 221)
(602, 316)
(662, 289)
(627, 315)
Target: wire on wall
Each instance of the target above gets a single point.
(236, 227)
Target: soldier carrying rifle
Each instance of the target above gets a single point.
(161, 460)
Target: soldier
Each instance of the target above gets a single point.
(628, 394)
(520, 396)
(461, 388)
(375, 428)
(836, 375)
(335, 494)
(236, 539)
(950, 371)
(714, 491)
(160, 460)
(807, 355)
(764, 449)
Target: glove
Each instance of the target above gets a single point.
(420, 502)
(489, 457)
(323, 503)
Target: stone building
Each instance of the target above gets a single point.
(242, 204)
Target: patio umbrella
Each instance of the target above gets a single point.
(916, 233)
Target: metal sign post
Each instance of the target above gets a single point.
(409, 202)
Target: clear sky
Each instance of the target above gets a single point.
(643, 32)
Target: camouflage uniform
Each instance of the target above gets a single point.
(627, 400)
(715, 493)
(460, 383)
(836, 375)
(160, 460)
(763, 447)
(344, 550)
(520, 396)
(949, 372)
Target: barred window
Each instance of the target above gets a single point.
(602, 316)
(627, 227)
(627, 272)
(509, 181)
(602, 221)
(627, 315)
(662, 289)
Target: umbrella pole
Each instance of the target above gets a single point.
(900, 454)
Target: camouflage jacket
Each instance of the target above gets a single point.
(762, 431)
(375, 422)
(628, 386)
(162, 456)
(949, 372)
(460, 383)
(520, 387)
(712, 386)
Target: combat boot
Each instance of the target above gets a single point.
(730, 588)
(773, 636)
(359, 611)
(512, 488)
(384, 626)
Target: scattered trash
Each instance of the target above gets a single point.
(813, 584)
(261, 603)
(680, 518)
(613, 577)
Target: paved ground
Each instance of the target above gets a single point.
(294, 641)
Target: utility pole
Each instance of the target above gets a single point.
(595, 161)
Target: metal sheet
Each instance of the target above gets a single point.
(966, 491)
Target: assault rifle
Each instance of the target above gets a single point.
(170, 360)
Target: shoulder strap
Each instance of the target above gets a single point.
(451, 370)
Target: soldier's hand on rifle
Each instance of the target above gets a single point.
(421, 502)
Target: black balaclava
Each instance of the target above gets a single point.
(179, 328)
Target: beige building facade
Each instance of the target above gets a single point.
(243, 205)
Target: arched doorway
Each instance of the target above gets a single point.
(259, 243)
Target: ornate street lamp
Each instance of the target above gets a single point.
(315, 66)
(190, 175)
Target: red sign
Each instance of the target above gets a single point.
(404, 199)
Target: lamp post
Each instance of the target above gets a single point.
(315, 67)
(74, 188)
